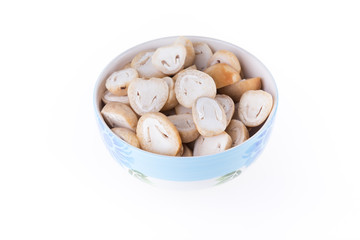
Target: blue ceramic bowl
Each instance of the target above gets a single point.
(187, 172)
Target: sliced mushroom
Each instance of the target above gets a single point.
(238, 132)
(187, 151)
(142, 62)
(169, 59)
(180, 109)
(236, 112)
(157, 134)
(171, 102)
(184, 123)
(209, 116)
(148, 95)
(192, 84)
(118, 82)
(203, 54)
(190, 53)
(127, 135)
(188, 68)
(227, 57)
(238, 88)
(212, 145)
(227, 104)
(109, 97)
(223, 74)
(119, 115)
(254, 107)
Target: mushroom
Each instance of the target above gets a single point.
(209, 116)
(118, 82)
(127, 135)
(184, 123)
(188, 68)
(187, 151)
(236, 112)
(148, 95)
(157, 134)
(238, 132)
(119, 115)
(192, 84)
(238, 88)
(227, 104)
(169, 59)
(203, 54)
(212, 145)
(128, 65)
(142, 62)
(223, 74)
(254, 107)
(171, 101)
(109, 97)
(227, 57)
(190, 52)
(180, 109)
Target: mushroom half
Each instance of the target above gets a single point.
(238, 132)
(212, 145)
(118, 82)
(169, 59)
(119, 115)
(109, 97)
(238, 88)
(184, 123)
(203, 54)
(227, 104)
(127, 135)
(227, 57)
(142, 62)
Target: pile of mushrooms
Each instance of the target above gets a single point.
(184, 100)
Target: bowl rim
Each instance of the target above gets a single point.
(268, 121)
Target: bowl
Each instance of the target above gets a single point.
(187, 172)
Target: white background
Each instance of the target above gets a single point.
(57, 180)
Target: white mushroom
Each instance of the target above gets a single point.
(254, 107)
(109, 97)
(157, 134)
(142, 62)
(171, 102)
(184, 123)
(223, 74)
(127, 135)
(190, 53)
(203, 54)
(187, 151)
(227, 104)
(227, 57)
(238, 88)
(192, 84)
(118, 82)
(188, 68)
(148, 95)
(169, 59)
(238, 132)
(180, 109)
(212, 145)
(209, 116)
(119, 115)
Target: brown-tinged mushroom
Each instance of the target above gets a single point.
(171, 102)
(238, 88)
(184, 123)
(119, 115)
(127, 135)
(212, 145)
(223, 74)
(238, 132)
(227, 57)
(119, 81)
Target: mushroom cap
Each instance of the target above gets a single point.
(171, 102)
(127, 135)
(190, 52)
(119, 115)
(192, 84)
(238, 88)
(169, 59)
(109, 97)
(209, 116)
(203, 53)
(227, 57)
(119, 81)
(142, 62)
(148, 95)
(238, 132)
(187, 151)
(180, 109)
(212, 145)
(223, 74)
(157, 134)
(184, 123)
(227, 104)
(254, 107)
(188, 68)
